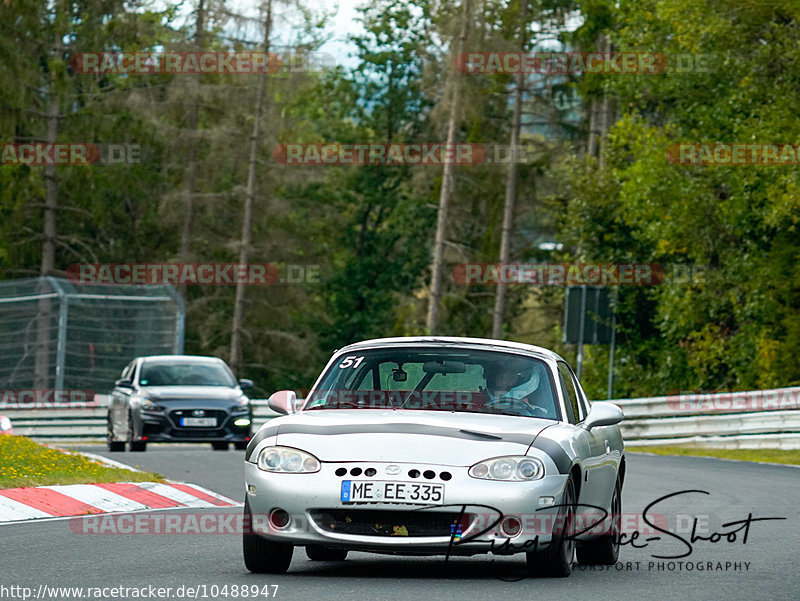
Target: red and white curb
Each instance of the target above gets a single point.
(19, 504)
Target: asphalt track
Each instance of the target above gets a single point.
(50, 553)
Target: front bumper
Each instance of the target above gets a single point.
(165, 427)
(475, 507)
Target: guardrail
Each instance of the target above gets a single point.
(87, 423)
(747, 420)
(744, 420)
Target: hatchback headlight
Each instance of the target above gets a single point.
(148, 405)
(241, 404)
(508, 468)
(288, 460)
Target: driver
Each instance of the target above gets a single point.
(513, 381)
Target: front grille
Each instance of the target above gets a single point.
(197, 433)
(377, 522)
(176, 415)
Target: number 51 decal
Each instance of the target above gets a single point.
(352, 360)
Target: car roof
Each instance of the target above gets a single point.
(182, 358)
(456, 341)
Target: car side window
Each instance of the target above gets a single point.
(126, 372)
(583, 402)
(568, 388)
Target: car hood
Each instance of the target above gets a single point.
(201, 393)
(445, 438)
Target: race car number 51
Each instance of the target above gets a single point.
(354, 491)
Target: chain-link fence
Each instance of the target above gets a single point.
(56, 334)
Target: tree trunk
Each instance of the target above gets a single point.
(189, 185)
(607, 109)
(247, 220)
(41, 369)
(454, 84)
(511, 188)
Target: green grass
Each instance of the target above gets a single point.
(767, 455)
(26, 463)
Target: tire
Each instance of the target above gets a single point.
(604, 551)
(555, 561)
(263, 556)
(136, 446)
(114, 446)
(240, 445)
(219, 446)
(319, 553)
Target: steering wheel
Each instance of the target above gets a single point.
(527, 408)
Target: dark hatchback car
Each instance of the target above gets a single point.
(179, 398)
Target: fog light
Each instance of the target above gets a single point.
(279, 518)
(511, 526)
(251, 489)
(546, 501)
(242, 421)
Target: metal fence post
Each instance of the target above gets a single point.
(61, 347)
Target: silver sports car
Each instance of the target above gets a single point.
(437, 446)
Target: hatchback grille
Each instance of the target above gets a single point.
(177, 414)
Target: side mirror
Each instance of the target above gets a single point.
(283, 402)
(123, 383)
(603, 414)
(245, 384)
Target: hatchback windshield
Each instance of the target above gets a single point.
(186, 374)
(438, 380)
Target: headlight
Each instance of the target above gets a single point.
(148, 405)
(242, 404)
(285, 459)
(5, 423)
(508, 468)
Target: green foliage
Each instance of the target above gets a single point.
(370, 228)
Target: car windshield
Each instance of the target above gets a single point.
(186, 374)
(434, 379)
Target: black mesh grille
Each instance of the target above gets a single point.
(377, 522)
(177, 414)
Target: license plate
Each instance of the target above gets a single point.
(380, 491)
(198, 421)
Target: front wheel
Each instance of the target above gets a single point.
(556, 560)
(604, 551)
(136, 446)
(115, 446)
(318, 553)
(263, 556)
